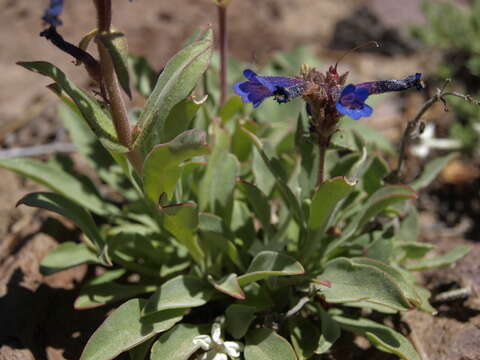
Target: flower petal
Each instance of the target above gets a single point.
(217, 333)
(204, 341)
(233, 348)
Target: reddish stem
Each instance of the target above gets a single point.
(222, 22)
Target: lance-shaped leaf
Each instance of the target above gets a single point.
(60, 181)
(351, 282)
(218, 183)
(177, 343)
(259, 204)
(330, 332)
(270, 263)
(90, 147)
(66, 256)
(181, 117)
(326, 201)
(304, 336)
(432, 169)
(181, 220)
(174, 84)
(375, 204)
(381, 336)
(440, 261)
(230, 286)
(274, 167)
(104, 289)
(266, 344)
(98, 120)
(407, 287)
(125, 329)
(162, 169)
(117, 47)
(181, 292)
(68, 208)
(239, 318)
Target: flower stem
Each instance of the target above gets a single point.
(322, 147)
(222, 23)
(109, 77)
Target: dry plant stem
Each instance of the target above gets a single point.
(222, 23)
(413, 125)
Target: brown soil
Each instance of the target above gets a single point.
(36, 312)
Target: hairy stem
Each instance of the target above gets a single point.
(110, 81)
(222, 23)
(322, 147)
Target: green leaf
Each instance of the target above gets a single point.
(326, 201)
(415, 250)
(373, 177)
(304, 336)
(432, 169)
(124, 329)
(381, 336)
(181, 292)
(162, 169)
(440, 261)
(239, 318)
(368, 133)
(98, 119)
(330, 332)
(217, 185)
(373, 206)
(270, 263)
(274, 167)
(259, 204)
(103, 289)
(66, 256)
(66, 207)
(180, 118)
(407, 287)
(230, 286)
(116, 45)
(181, 220)
(351, 282)
(91, 148)
(266, 344)
(231, 108)
(59, 181)
(177, 343)
(174, 84)
(144, 77)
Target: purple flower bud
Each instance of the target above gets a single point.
(53, 12)
(257, 88)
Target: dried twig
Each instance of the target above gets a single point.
(37, 150)
(415, 127)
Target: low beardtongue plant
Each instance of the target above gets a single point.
(234, 237)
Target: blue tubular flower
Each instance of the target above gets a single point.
(53, 12)
(352, 98)
(352, 102)
(257, 88)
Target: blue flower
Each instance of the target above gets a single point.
(257, 88)
(53, 12)
(352, 102)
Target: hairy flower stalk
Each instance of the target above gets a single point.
(326, 96)
(110, 80)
